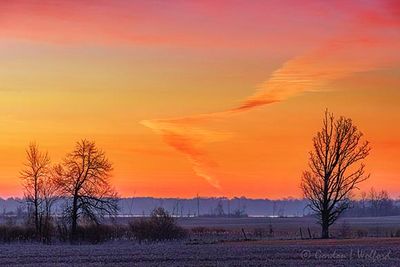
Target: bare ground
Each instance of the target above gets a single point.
(354, 252)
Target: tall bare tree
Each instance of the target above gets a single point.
(336, 168)
(34, 175)
(84, 181)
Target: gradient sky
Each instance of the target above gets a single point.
(217, 98)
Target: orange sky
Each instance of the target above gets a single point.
(215, 98)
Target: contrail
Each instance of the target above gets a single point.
(335, 59)
(188, 140)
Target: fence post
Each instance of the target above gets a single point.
(244, 234)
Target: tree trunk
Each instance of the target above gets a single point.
(37, 222)
(74, 218)
(36, 203)
(325, 229)
(36, 217)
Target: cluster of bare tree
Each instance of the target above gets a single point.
(223, 208)
(81, 180)
(335, 169)
(374, 204)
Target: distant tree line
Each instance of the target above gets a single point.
(373, 204)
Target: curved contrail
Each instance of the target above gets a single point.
(357, 50)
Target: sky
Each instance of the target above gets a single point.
(216, 98)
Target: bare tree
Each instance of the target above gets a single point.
(84, 181)
(33, 176)
(219, 209)
(335, 168)
(50, 193)
(380, 203)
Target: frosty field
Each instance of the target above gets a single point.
(361, 252)
(222, 244)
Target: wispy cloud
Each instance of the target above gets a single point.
(188, 140)
(362, 46)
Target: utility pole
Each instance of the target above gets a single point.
(229, 207)
(198, 206)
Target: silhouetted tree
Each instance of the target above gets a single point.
(51, 189)
(50, 193)
(84, 181)
(335, 169)
(34, 177)
(380, 203)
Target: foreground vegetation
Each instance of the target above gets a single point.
(160, 226)
(207, 241)
(203, 230)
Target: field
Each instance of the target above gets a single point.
(289, 228)
(361, 252)
(219, 248)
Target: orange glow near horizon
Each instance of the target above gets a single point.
(186, 97)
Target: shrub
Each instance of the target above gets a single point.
(259, 232)
(59, 229)
(94, 234)
(362, 233)
(160, 226)
(10, 233)
(397, 234)
(48, 230)
(62, 230)
(201, 230)
(344, 230)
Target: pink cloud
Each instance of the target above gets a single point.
(230, 24)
